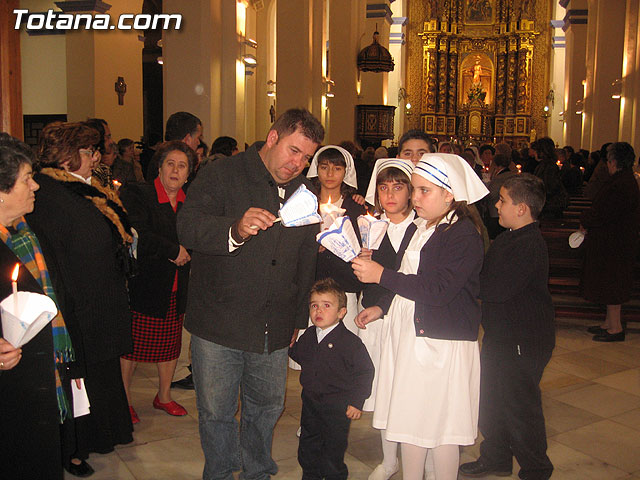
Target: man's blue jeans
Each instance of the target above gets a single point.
(219, 373)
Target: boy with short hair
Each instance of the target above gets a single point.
(336, 378)
(517, 317)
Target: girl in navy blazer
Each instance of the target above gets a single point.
(428, 385)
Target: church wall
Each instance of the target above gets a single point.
(43, 94)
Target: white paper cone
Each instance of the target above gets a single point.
(341, 239)
(34, 312)
(372, 231)
(300, 209)
(81, 405)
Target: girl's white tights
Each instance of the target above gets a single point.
(389, 453)
(445, 460)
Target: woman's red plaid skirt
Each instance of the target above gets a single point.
(156, 339)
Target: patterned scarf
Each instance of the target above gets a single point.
(26, 247)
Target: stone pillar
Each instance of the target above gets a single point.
(10, 80)
(294, 54)
(630, 101)
(601, 112)
(344, 45)
(95, 60)
(575, 27)
(373, 90)
(203, 71)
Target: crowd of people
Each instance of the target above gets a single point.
(131, 244)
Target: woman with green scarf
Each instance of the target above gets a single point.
(33, 402)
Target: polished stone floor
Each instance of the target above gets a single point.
(591, 397)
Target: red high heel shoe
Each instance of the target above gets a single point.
(134, 416)
(172, 408)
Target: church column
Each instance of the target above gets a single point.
(575, 28)
(630, 101)
(344, 45)
(374, 86)
(601, 112)
(95, 60)
(10, 79)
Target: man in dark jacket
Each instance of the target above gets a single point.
(248, 292)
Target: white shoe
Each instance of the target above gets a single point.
(380, 473)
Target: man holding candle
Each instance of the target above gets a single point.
(248, 292)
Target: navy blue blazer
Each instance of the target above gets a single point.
(447, 285)
(338, 368)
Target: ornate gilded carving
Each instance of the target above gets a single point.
(450, 31)
(510, 106)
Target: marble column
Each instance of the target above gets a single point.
(601, 112)
(575, 28)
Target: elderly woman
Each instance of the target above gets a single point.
(611, 240)
(32, 405)
(158, 294)
(83, 229)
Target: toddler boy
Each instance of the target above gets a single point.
(336, 378)
(519, 336)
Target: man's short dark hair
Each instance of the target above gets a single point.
(486, 147)
(528, 189)
(224, 145)
(416, 134)
(329, 285)
(181, 124)
(299, 119)
(501, 160)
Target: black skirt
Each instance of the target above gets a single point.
(108, 424)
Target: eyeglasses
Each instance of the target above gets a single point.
(88, 151)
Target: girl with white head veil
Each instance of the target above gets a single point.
(333, 173)
(429, 376)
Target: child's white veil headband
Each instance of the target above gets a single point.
(349, 173)
(404, 166)
(452, 173)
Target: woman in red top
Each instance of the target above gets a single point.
(158, 293)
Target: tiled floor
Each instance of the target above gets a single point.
(591, 398)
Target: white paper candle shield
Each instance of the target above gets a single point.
(300, 209)
(35, 311)
(329, 213)
(341, 239)
(372, 231)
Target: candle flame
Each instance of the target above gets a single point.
(16, 271)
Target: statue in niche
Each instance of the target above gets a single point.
(476, 79)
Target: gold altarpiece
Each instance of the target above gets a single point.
(479, 76)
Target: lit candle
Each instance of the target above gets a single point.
(559, 163)
(329, 213)
(14, 285)
(116, 184)
(372, 230)
(519, 167)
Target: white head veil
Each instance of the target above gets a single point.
(350, 171)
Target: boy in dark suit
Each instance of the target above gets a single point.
(336, 378)
(519, 336)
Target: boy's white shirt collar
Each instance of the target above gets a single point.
(320, 333)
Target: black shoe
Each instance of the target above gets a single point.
(82, 470)
(185, 384)
(479, 469)
(609, 337)
(596, 330)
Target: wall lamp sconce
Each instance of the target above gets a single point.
(579, 107)
(250, 60)
(250, 42)
(327, 88)
(545, 112)
(617, 88)
(271, 88)
(403, 96)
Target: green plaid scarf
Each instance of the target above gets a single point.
(26, 247)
